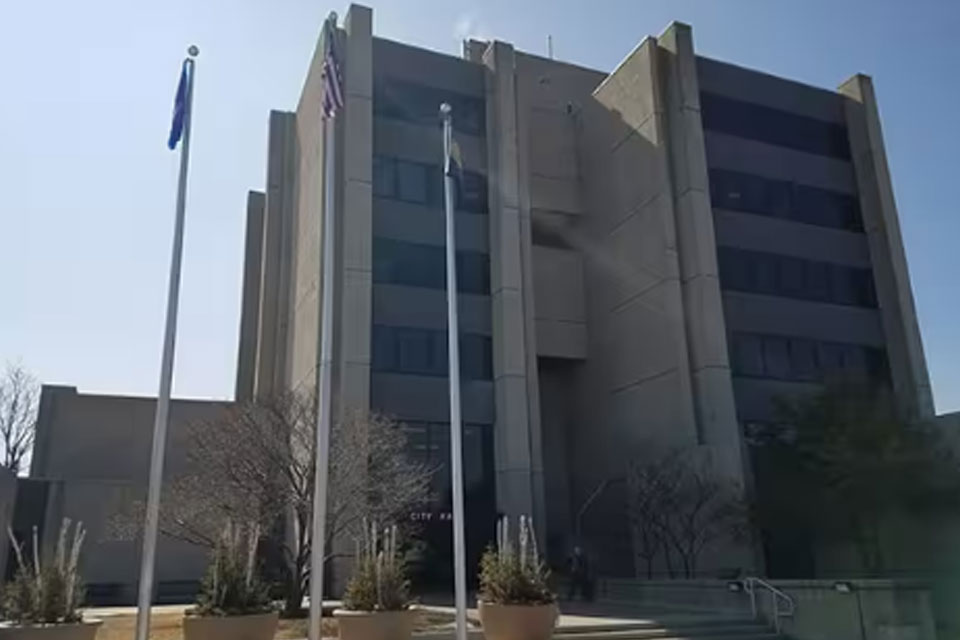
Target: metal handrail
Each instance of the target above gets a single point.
(776, 597)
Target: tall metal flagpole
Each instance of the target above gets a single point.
(323, 386)
(453, 347)
(148, 554)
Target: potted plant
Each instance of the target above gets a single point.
(376, 603)
(42, 602)
(515, 602)
(233, 602)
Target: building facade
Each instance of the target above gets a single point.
(90, 463)
(646, 258)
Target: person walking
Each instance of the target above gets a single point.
(579, 571)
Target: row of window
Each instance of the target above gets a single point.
(801, 359)
(778, 275)
(419, 351)
(784, 199)
(428, 444)
(419, 104)
(423, 265)
(773, 126)
(422, 183)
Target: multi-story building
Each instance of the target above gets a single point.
(646, 258)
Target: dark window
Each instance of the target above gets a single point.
(773, 126)
(472, 192)
(420, 104)
(422, 265)
(791, 282)
(819, 277)
(776, 358)
(747, 355)
(804, 360)
(826, 208)
(413, 182)
(384, 177)
(423, 352)
(782, 199)
(473, 272)
(476, 356)
(778, 275)
(422, 183)
(428, 443)
(416, 265)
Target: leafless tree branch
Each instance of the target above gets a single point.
(19, 396)
(255, 463)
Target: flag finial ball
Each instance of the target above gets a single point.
(445, 109)
(193, 51)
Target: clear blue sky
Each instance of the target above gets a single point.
(88, 185)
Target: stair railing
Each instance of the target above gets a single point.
(777, 598)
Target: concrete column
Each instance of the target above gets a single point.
(277, 253)
(703, 318)
(355, 223)
(908, 365)
(250, 297)
(519, 471)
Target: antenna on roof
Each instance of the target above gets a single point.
(550, 46)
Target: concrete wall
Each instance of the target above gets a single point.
(559, 303)
(250, 298)
(93, 452)
(8, 499)
(881, 221)
(276, 254)
(517, 438)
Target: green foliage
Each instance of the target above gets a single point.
(511, 575)
(231, 586)
(46, 593)
(838, 461)
(379, 581)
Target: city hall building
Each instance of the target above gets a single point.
(646, 256)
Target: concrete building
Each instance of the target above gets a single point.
(646, 258)
(90, 463)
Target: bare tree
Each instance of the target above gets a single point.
(679, 505)
(255, 463)
(19, 395)
(649, 484)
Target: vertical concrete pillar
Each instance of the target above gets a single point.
(355, 223)
(519, 471)
(277, 252)
(908, 365)
(250, 297)
(714, 405)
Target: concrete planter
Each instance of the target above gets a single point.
(375, 625)
(71, 631)
(259, 626)
(517, 622)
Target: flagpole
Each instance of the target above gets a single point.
(453, 348)
(148, 554)
(324, 391)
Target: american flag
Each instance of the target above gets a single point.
(332, 77)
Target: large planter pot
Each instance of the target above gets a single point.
(259, 626)
(517, 622)
(375, 625)
(71, 631)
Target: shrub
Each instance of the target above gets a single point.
(46, 593)
(514, 576)
(379, 581)
(232, 586)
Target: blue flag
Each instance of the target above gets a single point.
(179, 109)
